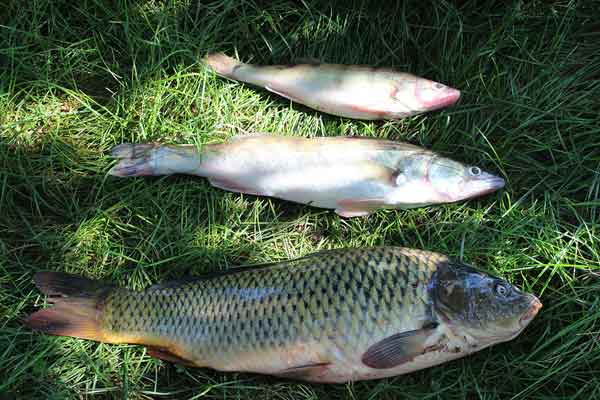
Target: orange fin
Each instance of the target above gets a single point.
(165, 354)
(305, 372)
(77, 306)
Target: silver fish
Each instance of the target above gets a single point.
(355, 176)
(345, 90)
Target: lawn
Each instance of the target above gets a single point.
(78, 77)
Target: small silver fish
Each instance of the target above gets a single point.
(345, 90)
(353, 175)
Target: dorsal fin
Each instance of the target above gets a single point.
(308, 60)
(387, 144)
(241, 269)
(209, 275)
(217, 274)
(248, 135)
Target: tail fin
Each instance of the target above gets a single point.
(154, 159)
(222, 65)
(134, 160)
(78, 306)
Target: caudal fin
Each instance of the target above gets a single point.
(77, 306)
(222, 64)
(134, 160)
(155, 159)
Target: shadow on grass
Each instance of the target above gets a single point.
(83, 76)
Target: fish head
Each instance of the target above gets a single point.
(413, 95)
(486, 308)
(433, 95)
(452, 181)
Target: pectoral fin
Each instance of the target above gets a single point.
(280, 91)
(398, 349)
(372, 110)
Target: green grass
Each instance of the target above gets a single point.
(78, 77)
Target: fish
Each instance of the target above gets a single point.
(332, 316)
(355, 176)
(351, 91)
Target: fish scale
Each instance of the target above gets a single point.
(305, 301)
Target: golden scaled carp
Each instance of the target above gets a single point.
(345, 90)
(332, 316)
(353, 175)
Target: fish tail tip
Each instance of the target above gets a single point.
(129, 168)
(64, 284)
(134, 160)
(77, 302)
(66, 321)
(123, 150)
(45, 321)
(221, 63)
(129, 150)
(118, 172)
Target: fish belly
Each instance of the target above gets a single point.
(299, 170)
(350, 92)
(326, 186)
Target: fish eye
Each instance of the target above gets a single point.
(439, 86)
(475, 171)
(501, 290)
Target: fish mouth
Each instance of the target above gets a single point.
(491, 184)
(433, 95)
(531, 312)
(448, 98)
(451, 97)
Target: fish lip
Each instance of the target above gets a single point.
(534, 307)
(450, 97)
(492, 184)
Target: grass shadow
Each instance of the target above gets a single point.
(81, 77)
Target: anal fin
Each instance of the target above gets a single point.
(358, 207)
(309, 372)
(232, 186)
(165, 354)
(342, 212)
